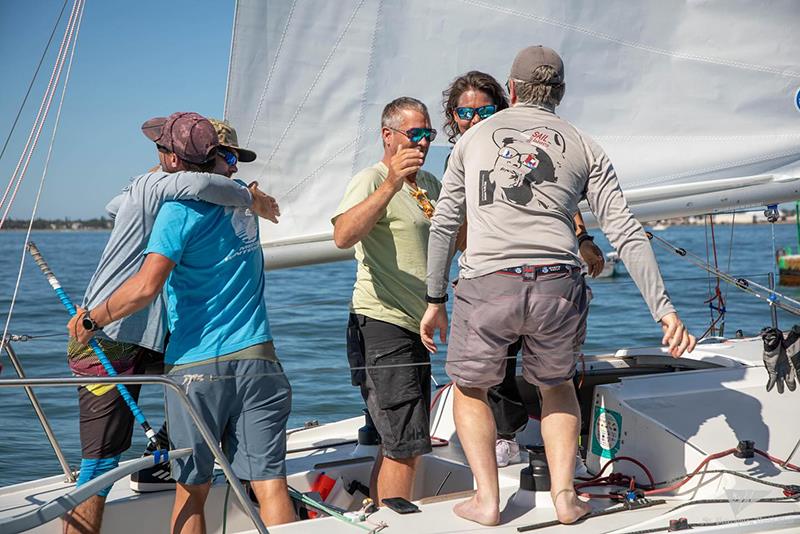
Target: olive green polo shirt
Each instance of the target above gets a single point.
(392, 258)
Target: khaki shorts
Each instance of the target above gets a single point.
(491, 312)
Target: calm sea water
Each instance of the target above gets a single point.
(308, 314)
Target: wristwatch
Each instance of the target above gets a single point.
(436, 300)
(88, 323)
(584, 236)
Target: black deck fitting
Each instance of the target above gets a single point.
(745, 449)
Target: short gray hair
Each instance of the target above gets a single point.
(390, 118)
(540, 91)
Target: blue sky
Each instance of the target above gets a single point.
(129, 66)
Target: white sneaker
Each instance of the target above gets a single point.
(506, 451)
(581, 471)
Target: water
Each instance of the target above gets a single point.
(308, 314)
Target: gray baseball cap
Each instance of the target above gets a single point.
(528, 59)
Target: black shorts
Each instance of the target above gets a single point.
(396, 385)
(106, 422)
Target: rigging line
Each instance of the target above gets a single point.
(46, 167)
(200, 377)
(311, 87)
(269, 75)
(708, 274)
(41, 105)
(33, 78)
(43, 112)
(771, 296)
(730, 250)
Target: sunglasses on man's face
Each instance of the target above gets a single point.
(415, 135)
(466, 114)
(229, 157)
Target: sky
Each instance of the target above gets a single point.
(129, 66)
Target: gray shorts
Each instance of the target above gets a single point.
(247, 414)
(491, 312)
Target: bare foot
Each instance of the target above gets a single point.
(569, 508)
(475, 510)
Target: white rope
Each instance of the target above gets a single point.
(44, 108)
(74, 43)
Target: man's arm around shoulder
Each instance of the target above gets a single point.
(134, 294)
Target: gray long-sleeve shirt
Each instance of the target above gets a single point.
(134, 213)
(519, 176)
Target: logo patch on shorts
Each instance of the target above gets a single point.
(606, 433)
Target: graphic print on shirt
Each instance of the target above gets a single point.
(524, 162)
(245, 226)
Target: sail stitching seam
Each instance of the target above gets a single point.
(272, 70)
(640, 46)
(696, 137)
(724, 165)
(323, 165)
(312, 87)
(367, 78)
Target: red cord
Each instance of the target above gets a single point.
(777, 460)
(688, 477)
(439, 394)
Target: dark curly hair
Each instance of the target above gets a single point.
(476, 80)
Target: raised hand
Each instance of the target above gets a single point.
(405, 162)
(676, 336)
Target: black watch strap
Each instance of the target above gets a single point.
(436, 300)
(584, 236)
(88, 323)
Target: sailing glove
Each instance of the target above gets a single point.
(792, 344)
(776, 362)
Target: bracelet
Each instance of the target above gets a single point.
(436, 300)
(584, 237)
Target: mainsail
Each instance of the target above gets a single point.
(697, 103)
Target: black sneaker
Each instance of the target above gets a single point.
(156, 478)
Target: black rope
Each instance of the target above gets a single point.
(716, 523)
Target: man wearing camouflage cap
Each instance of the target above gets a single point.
(208, 260)
(187, 152)
(526, 171)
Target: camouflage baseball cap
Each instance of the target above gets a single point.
(226, 134)
(189, 135)
(530, 58)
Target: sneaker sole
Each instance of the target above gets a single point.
(150, 487)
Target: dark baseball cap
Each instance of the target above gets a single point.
(189, 135)
(530, 58)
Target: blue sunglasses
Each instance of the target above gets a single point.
(466, 114)
(229, 157)
(415, 135)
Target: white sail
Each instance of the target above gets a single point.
(696, 103)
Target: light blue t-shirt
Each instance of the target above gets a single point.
(215, 293)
